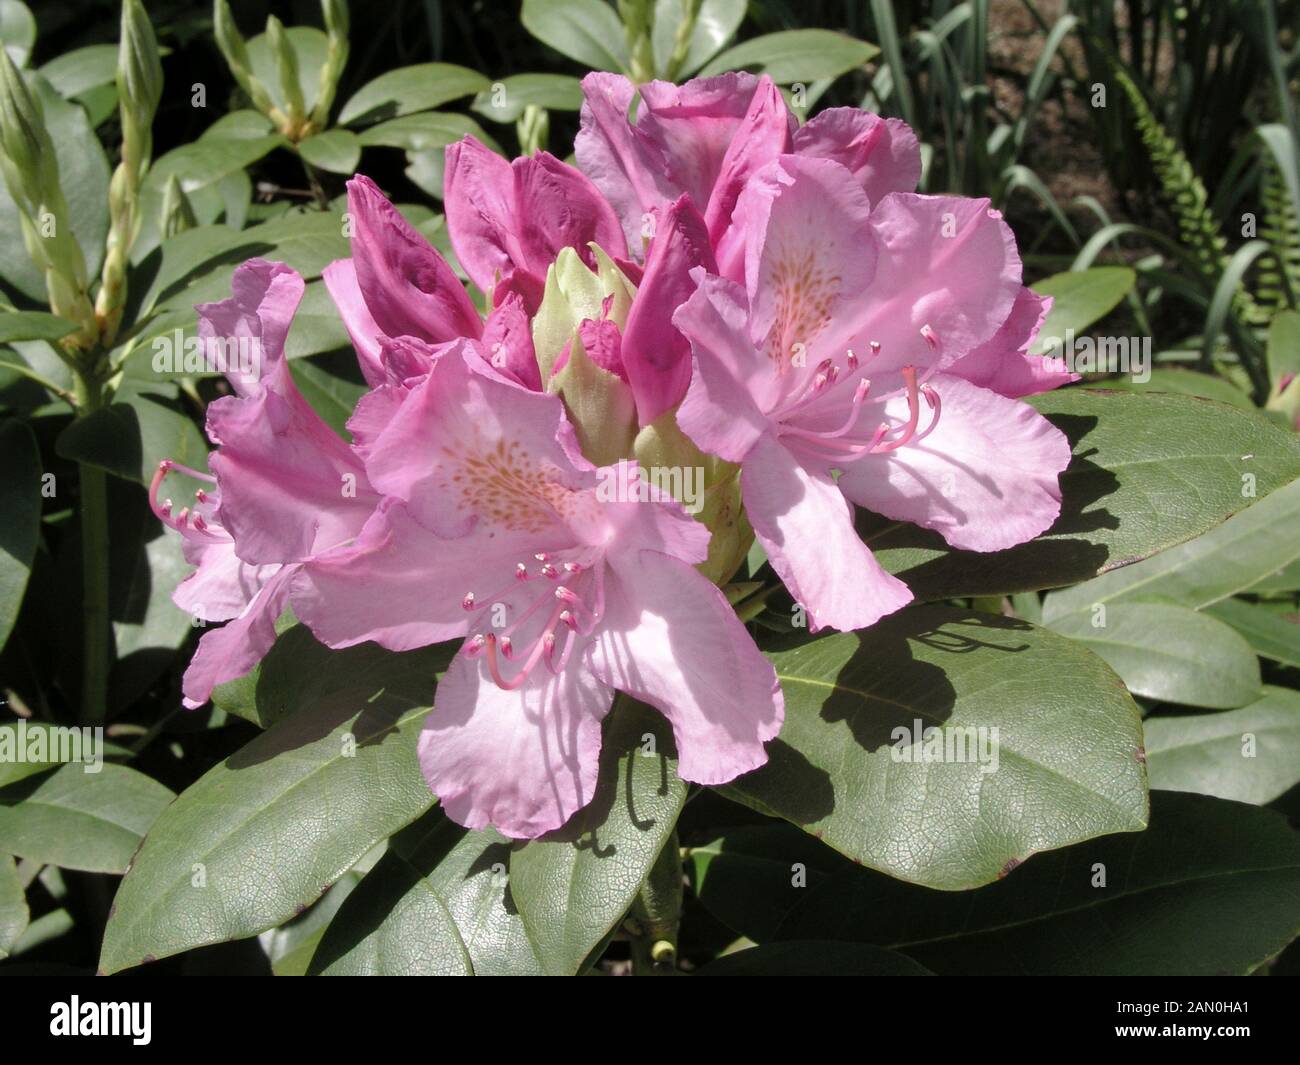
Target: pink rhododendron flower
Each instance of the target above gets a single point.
(285, 488)
(708, 137)
(568, 588)
(859, 358)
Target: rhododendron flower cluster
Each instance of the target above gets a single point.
(715, 286)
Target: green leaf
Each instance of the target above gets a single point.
(207, 160)
(261, 835)
(754, 876)
(129, 439)
(1283, 347)
(1185, 383)
(427, 131)
(336, 150)
(1273, 636)
(13, 905)
(573, 886)
(1169, 652)
(289, 948)
(1243, 550)
(795, 55)
(1250, 755)
(330, 396)
(1080, 297)
(586, 30)
(1067, 746)
(300, 674)
(506, 99)
(1149, 471)
(437, 902)
(409, 89)
(78, 819)
(20, 531)
(33, 325)
(814, 958)
(77, 72)
(55, 745)
(1209, 888)
(716, 23)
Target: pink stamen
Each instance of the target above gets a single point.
(930, 338)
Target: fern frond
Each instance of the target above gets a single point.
(1278, 283)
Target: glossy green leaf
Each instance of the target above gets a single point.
(573, 886)
(261, 835)
(1243, 550)
(1250, 755)
(1067, 746)
(20, 528)
(82, 69)
(1168, 652)
(335, 150)
(426, 131)
(1185, 383)
(1209, 888)
(585, 30)
(26, 753)
(409, 89)
(130, 438)
(33, 325)
(1273, 636)
(505, 100)
(437, 902)
(812, 957)
(715, 24)
(1149, 471)
(13, 905)
(1080, 297)
(77, 819)
(795, 55)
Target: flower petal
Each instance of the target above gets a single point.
(986, 478)
(559, 207)
(806, 527)
(523, 761)
(289, 486)
(341, 281)
(407, 285)
(479, 196)
(229, 652)
(946, 262)
(508, 341)
(621, 160)
(222, 585)
(1003, 364)
(398, 584)
(882, 153)
(723, 408)
(670, 639)
(656, 356)
(762, 135)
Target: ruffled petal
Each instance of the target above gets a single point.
(986, 478)
(670, 639)
(229, 652)
(1003, 364)
(882, 153)
(806, 527)
(522, 761)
